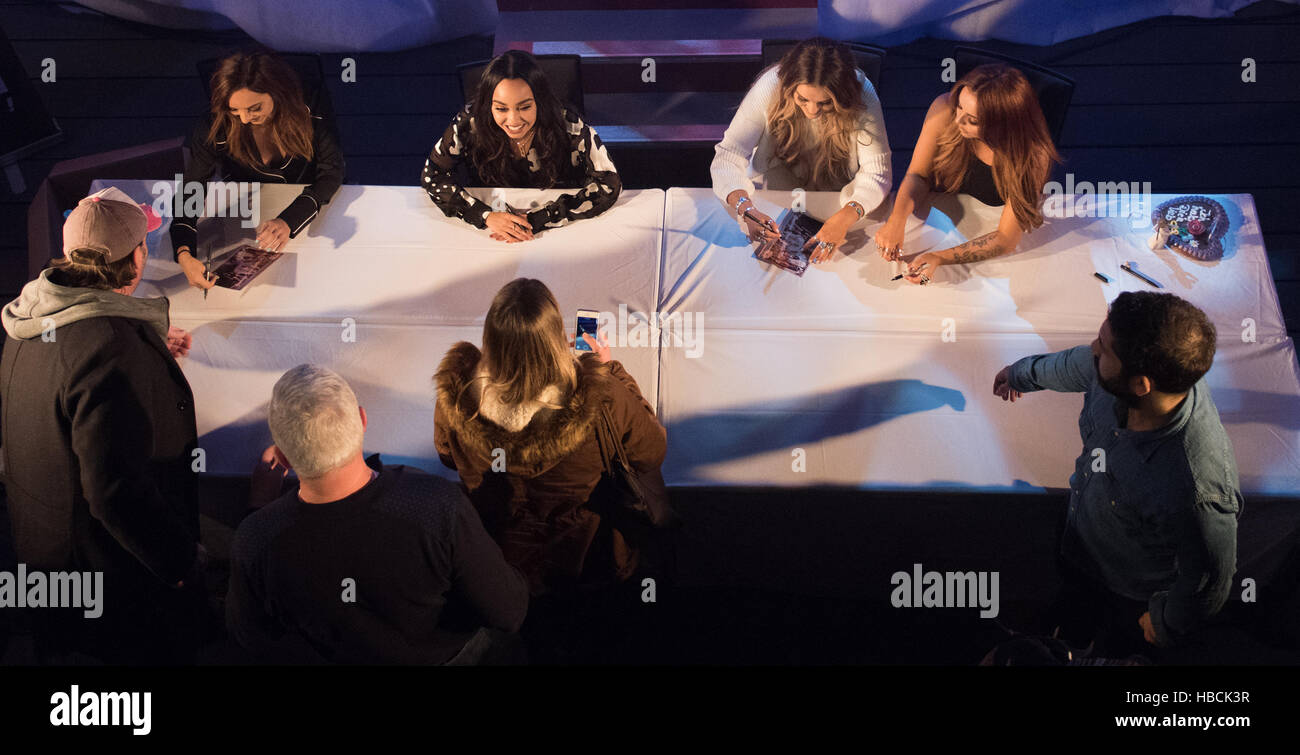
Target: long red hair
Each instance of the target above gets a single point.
(1012, 124)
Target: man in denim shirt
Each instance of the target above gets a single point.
(1154, 497)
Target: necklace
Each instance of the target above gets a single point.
(522, 145)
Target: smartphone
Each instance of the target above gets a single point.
(586, 324)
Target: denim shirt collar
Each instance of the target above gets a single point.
(1147, 441)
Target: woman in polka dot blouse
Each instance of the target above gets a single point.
(516, 133)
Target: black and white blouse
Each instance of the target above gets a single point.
(588, 169)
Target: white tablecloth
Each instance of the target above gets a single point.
(411, 281)
(851, 374)
(839, 377)
(1048, 287)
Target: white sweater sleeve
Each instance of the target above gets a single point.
(875, 172)
(730, 169)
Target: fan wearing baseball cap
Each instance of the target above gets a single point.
(98, 439)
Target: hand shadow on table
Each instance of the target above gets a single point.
(334, 222)
(1183, 278)
(695, 440)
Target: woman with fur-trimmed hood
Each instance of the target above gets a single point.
(517, 421)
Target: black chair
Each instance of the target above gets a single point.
(563, 71)
(311, 74)
(869, 58)
(1054, 90)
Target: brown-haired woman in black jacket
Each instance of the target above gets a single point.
(258, 129)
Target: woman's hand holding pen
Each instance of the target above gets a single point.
(194, 270)
(921, 269)
(758, 227)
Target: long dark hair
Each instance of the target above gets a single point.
(290, 122)
(491, 150)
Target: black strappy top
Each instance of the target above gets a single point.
(979, 183)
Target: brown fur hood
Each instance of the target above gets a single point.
(551, 435)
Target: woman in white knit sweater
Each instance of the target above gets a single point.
(814, 122)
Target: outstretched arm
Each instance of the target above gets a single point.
(995, 244)
(1069, 371)
(916, 184)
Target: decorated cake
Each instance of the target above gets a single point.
(1193, 226)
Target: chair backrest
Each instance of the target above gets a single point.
(563, 71)
(311, 74)
(1054, 90)
(869, 58)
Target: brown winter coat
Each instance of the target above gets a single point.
(536, 508)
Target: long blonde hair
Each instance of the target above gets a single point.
(290, 122)
(824, 63)
(1012, 124)
(524, 345)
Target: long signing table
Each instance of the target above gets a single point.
(841, 376)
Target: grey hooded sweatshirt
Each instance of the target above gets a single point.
(44, 305)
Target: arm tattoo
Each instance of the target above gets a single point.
(981, 248)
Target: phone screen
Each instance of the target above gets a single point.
(586, 324)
